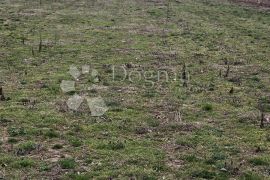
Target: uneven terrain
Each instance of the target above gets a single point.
(185, 81)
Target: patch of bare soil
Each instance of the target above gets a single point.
(260, 3)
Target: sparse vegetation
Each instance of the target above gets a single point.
(57, 146)
(23, 163)
(259, 162)
(67, 163)
(207, 107)
(186, 83)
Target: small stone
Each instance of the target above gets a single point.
(223, 169)
(129, 65)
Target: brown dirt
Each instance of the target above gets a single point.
(262, 3)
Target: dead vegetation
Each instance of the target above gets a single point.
(260, 3)
(198, 115)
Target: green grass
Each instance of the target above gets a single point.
(181, 125)
(259, 161)
(67, 163)
(24, 163)
(207, 107)
(26, 147)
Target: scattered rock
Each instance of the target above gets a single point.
(129, 65)
(54, 159)
(30, 103)
(223, 169)
(141, 130)
(40, 85)
(62, 106)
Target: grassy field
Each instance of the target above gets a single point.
(202, 121)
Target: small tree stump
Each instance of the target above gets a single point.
(2, 97)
